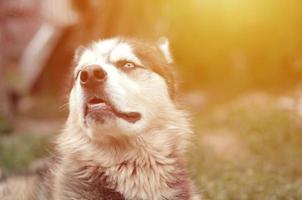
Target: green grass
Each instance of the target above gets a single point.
(5, 126)
(266, 160)
(18, 151)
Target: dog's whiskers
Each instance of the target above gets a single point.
(63, 107)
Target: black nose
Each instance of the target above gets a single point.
(92, 75)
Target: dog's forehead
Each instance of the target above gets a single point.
(111, 50)
(104, 47)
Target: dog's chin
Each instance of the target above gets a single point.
(100, 122)
(100, 111)
(107, 129)
(99, 116)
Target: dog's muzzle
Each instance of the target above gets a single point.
(97, 103)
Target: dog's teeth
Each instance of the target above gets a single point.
(96, 106)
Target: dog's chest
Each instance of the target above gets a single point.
(90, 183)
(128, 180)
(146, 180)
(147, 177)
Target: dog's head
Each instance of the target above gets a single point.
(122, 87)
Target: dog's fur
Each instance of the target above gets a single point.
(112, 158)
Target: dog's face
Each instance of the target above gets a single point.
(121, 87)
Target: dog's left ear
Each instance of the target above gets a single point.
(78, 53)
(164, 45)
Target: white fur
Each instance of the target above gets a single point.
(123, 52)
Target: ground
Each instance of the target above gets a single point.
(248, 148)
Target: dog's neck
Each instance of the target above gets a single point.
(150, 160)
(146, 146)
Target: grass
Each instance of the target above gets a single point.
(258, 157)
(5, 126)
(17, 152)
(243, 150)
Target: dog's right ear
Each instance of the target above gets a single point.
(164, 45)
(78, 53)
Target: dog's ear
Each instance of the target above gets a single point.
(78, 53)
(164, 45)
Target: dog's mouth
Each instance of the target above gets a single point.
(99, 109)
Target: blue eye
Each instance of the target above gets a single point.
(129, 65)
(126, 65)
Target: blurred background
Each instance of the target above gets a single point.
(239, 65)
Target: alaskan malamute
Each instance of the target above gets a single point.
(125, 137)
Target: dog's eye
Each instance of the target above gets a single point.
(126, 65)
(129, 65)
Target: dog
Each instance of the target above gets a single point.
(125, 136)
